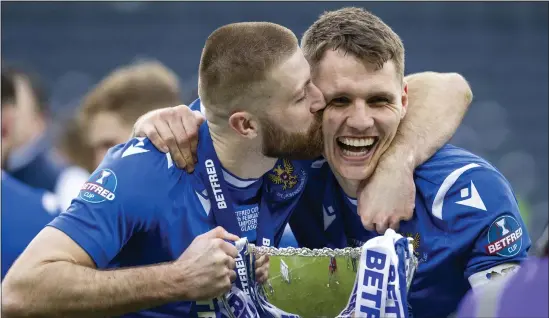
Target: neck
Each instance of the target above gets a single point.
(239, 156)
(350, 187)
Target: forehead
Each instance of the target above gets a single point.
(292, 73)
(338, 73)
(106, 127)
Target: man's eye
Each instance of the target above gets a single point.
(340, 101)
(379, 100)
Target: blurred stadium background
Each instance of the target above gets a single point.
(501, 49)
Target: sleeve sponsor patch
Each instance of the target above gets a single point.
(100, 187)
(504, 237)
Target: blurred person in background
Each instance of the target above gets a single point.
(110, 109)
(29, 158)
(522, 294)
(25, 210)
(73, 146)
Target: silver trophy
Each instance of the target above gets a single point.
(315, 282)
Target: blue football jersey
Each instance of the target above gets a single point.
(139, 209)
(466, 220)
(25, 212)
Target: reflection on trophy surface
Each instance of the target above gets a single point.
(305, 285)
(315, 283)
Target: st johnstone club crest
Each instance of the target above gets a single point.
(416, 243)
(100, 187)
(284, 175)
(504, 237)
(287, 180)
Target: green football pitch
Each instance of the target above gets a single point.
(307, 294)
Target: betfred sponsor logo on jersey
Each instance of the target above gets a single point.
(214, 182)
(504, 237)
(100, 187)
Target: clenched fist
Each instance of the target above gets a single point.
(387, 197)
(207, 265)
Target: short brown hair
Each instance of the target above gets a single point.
(133, 90)
(73, 145)
(355, 31)
(236, 61)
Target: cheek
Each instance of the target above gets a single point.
(330, 122)
(388, 123)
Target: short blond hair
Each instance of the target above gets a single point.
(357, 32)
(131, 91)
(236, 61)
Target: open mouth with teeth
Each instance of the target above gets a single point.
(356, 146)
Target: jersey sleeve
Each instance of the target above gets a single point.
(479, 209)
(122, 197)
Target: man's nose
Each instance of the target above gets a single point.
(360, 116)
(318, 102)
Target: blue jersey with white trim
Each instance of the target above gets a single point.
(466, 220)
(139, 209)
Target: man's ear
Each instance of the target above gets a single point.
(404, 99)
(244, 124)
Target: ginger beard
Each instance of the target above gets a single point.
(279, 143)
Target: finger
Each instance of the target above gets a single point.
(365, 216)
(192, 124)
(199, 119)
(394, 225)
(260, 276)
(183, 159)
(230, 262)
(232, 276)
(168, 137)
(381, 227)
(163, 127)
(260, 261)
(367, 223)
(225, 285)
(229, 249)
(191, 140)
(264, 274)
(150, 131)
(220, 232)
(217, 232)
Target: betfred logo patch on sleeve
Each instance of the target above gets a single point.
(100, 187)
(504, 237)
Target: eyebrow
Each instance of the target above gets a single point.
(378, 93)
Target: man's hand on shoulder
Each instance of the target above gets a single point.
(173, 130)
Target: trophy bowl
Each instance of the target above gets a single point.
(313, 283)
